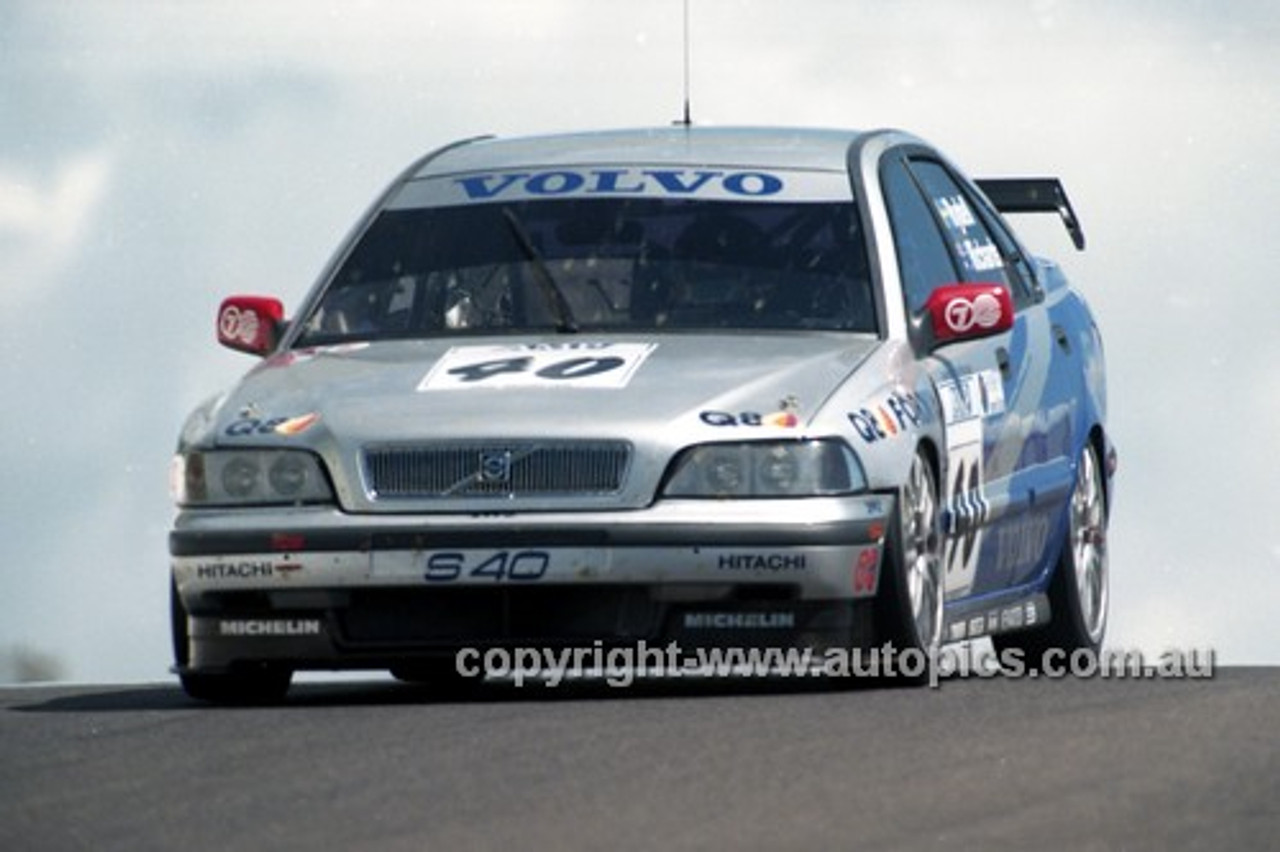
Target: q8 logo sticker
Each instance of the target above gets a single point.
(570, 365)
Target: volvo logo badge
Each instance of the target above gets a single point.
(495, 466)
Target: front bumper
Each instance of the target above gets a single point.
(317, 588)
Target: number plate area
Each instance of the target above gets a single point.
(818, 571)
(489, 566)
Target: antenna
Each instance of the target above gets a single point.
(686, 121)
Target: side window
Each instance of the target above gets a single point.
(1017, 268)
(971, 243)
(923, 260)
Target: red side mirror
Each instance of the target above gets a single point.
(969, 311)
(250, 323)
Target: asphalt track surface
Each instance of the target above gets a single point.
(976, 764)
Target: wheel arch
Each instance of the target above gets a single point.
(927, 446)
(1102, 447)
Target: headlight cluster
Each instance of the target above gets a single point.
(767, 469)
(249, 478)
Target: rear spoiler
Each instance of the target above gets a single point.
(1033, 195)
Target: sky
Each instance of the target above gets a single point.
(156, 157)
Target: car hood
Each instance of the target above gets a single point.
(381, 393)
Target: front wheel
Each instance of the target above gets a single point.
(249, 686)
(911, 608)
(257, 686)
(1078, 592)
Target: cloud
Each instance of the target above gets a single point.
(42, 223)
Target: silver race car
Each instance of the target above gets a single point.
(713, 387)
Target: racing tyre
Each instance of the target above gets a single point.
(259, 686)
(1078, 592)
(250, 686)
(910, 611)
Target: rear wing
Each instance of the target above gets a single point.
(1033, 195)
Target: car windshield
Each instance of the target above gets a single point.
(639, 264)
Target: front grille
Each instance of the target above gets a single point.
(493, 469)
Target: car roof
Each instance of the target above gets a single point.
(727, 147)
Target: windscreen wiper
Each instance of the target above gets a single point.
(556, 302)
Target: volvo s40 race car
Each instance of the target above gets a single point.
(747, 387)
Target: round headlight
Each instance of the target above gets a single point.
(779, 470)
(240, 477)
(724, 472)
(288, 475)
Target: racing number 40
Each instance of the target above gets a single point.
(571, 368)
(518, 566)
